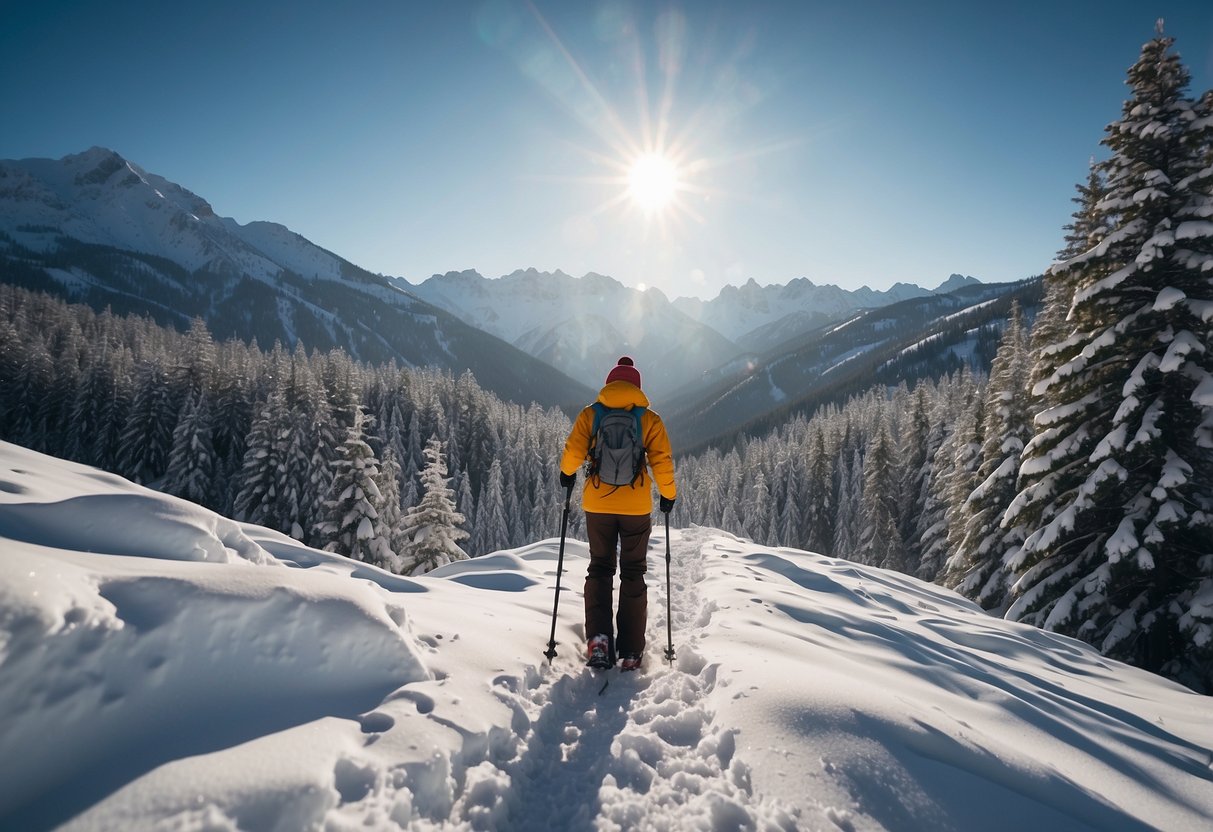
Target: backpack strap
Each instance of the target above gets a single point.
(638, 412)
(598, 408)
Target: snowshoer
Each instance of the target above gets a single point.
(618, 509)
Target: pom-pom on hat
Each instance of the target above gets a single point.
(624, 370)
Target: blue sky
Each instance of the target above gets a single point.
(870, 144)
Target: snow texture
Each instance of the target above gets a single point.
(164, 668)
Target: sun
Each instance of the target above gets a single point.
(653, 182)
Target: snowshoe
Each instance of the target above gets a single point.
(598, 653)
(629, 662)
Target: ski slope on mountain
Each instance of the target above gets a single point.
(163, 667)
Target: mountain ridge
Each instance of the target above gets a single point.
(580, 324)
(97, 228)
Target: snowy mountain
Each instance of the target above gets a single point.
(760, 317)
(97, 228)
(164, 667)
(582, 325)
(924, 336)
(100, 198)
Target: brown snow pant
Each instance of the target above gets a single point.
(631, 533)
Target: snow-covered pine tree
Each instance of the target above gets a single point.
(391, 513)
(756, 508)
(819, 513)
(147, 437)
(433, 525)
(55, 403)
(465, 500)
(490, 531)
(261, 473)
(880, 542)
(966, 444)
(191, 466)
(351, 524)
(930, 527)
(790, 518)
(729, 520)
(12, 348)
(850, 502)
(115, 410)
(86, 421)
(713, 500)
(233, 419)
(914, 453)
(1119, 475)
(976, 567)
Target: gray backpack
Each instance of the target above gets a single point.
(616, 445)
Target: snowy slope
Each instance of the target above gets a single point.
(161, 667)
(894, 343)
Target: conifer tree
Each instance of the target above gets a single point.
(262, 472)
(433, 525)
(115, 410)
(191, 467)
(465, 500)
(729, 521)
(976, 567)
(965, 445)
(850, 498)
(12, 349)
(790, 520)
(351, 524)
(1119, 474)
(391, 514)
(490, 531)
(147, 437)
(86, 421)
(880, 542)
(757, 508)
(819, 501)
(914, 453)
(22, 395)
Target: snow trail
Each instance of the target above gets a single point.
(647, 752)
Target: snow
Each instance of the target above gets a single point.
(162, 667)
(969, 310)
(1168, 297)
(776, 392)
(1194, 230)
(1177, 353)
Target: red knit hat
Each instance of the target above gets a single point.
(624, 370)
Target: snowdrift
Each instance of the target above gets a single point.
(162, 667)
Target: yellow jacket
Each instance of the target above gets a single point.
(636, 498)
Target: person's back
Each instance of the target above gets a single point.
(618, 514)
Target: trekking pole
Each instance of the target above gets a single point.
(564, 525)
(669, 618)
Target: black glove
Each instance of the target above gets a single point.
(667, 504)
(568, 480)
